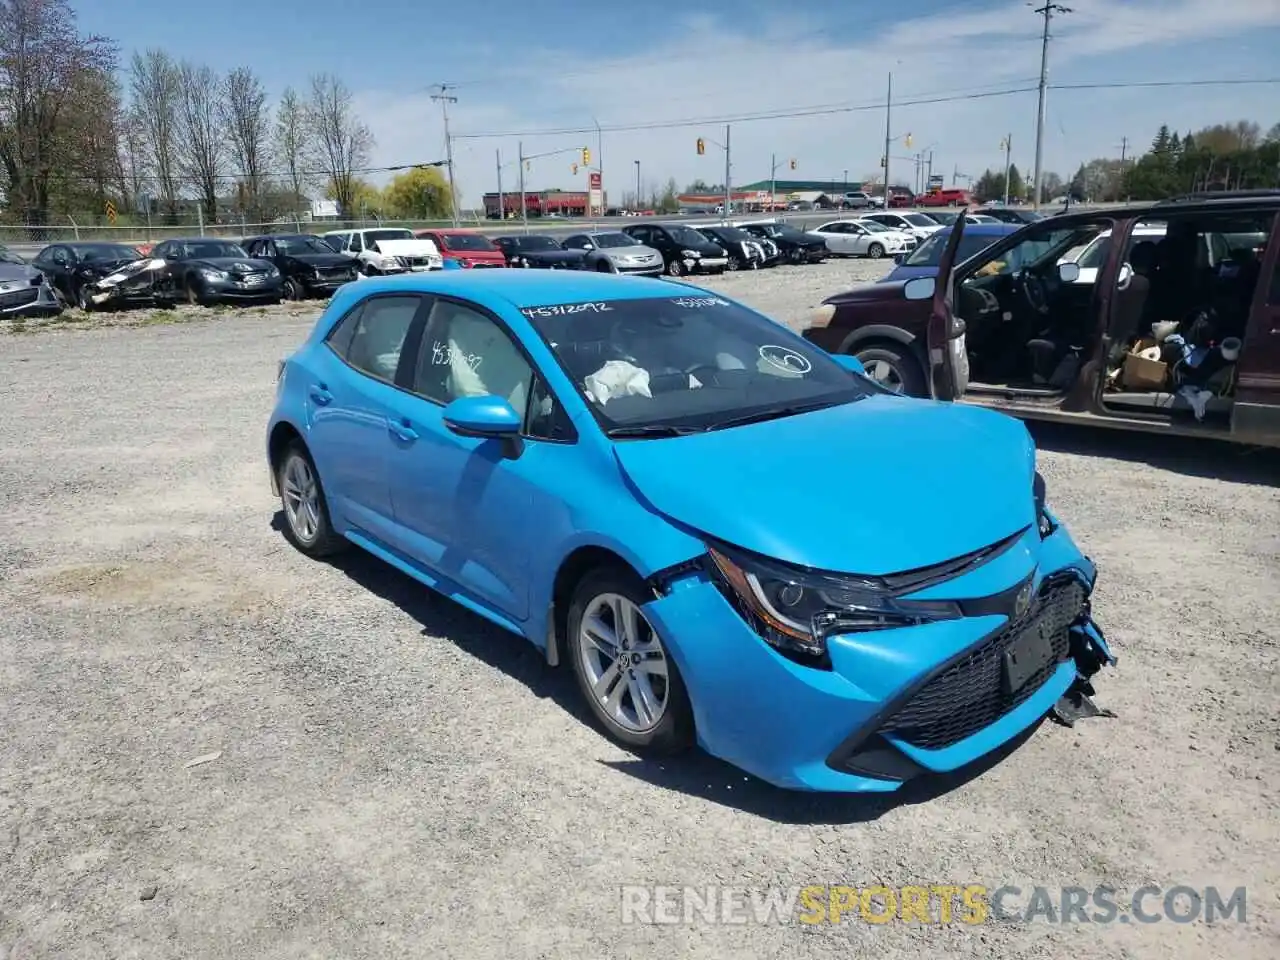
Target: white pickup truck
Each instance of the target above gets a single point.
(386, 250)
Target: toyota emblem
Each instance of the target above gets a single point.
(1023, 600)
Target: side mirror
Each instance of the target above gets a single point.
(1068, 272)
(851, 363)
(919, 288)
(1124, 277)
(488, 417)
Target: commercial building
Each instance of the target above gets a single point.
(566, 203)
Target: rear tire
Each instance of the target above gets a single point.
(306, 516)
(895, 367)
(644, 705)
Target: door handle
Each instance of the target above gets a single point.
(320, 394)
(403, 430)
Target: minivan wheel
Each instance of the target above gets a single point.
(875, 251)
(894, 368)
(623, 668)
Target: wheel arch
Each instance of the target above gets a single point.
(281, 436)
(573, 568)
(879, 333)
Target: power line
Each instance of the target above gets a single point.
(840, 108)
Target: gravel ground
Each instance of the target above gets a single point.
(388, 776)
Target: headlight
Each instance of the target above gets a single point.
(691, 254)
(273, 272)
(796, 610)
(1045, 520)
(214, 274)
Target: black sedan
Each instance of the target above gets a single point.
(74, 269)
(794, 245)
(309, 266)
(207, 270)
(540, 252)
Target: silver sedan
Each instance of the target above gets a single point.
(614, 252)
(854, 238)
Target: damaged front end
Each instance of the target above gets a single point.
(133, 282)
(1090, 651)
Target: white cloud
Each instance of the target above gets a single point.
(714, 69)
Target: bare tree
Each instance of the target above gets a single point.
(43, 61)
(247, 120)
(156, 85)
(292, 140)
(203, 151)
(131, 160)
(341, 141)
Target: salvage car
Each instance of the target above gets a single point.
(684, 250)
(924, 260)
(795, 246)
(386, 250)
(309, 266)
(465, 248)
(206, 270)
(539, 252)
(584, 462)
(745, 251)
(74, 270)
(24, 290)
(1171, 337)
(851, 238)
(612, 251)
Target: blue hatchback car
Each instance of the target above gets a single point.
(923, 260)
(622, 470)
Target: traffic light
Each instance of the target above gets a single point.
(793, 164)
(702, 146)
(908, 139)
(586, 157)
(575, 168)
(882, 161)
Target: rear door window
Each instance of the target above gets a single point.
(371, 337)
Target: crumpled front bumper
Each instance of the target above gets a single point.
(805, 728)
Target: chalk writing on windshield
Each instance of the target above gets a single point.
(564, 309)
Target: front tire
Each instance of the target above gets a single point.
(875, 251)
(624, 671)
(735, 263)
(195, 295)
(82, 299)
(292, 290)
(306, 516)
(895, 368)
(604, 266)
(675, 269)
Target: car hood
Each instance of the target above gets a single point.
(407, 248)
(479, 256)
(635, 250)
(17, 271)
(102, 268)
(230, 264)
(909, 483)
(877, 292)
(322, 259)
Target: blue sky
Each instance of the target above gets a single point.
(523, 67)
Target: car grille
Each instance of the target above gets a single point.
(335, 273)
(252, 277)
(969, 695)
(417, 261)
(19, 298)
(486, 266)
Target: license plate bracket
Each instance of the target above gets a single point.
(1026, 656)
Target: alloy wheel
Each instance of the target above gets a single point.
(884, 373)
(624, 663)
(301, 496)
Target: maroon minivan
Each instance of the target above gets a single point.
(1163, 317)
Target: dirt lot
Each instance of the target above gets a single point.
(390, 777)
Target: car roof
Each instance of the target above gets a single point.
(1160, 209)
(497, 289)
(234, 240)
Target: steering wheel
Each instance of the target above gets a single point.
(1035, 291)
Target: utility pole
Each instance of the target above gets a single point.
(502, 201)
(773, 181)
(888, 137)
(1047, 11)
(728, 195)
(444, 98)
(639, 202)
(1124, 149)
(1007, 144)
(524, 210)
(929, 172)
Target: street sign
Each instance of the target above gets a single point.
(595, 192)
(111, 211)
(593, 181)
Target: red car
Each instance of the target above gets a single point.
(464, 247)
(944, 198)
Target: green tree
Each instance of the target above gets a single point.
(1160, 144)
(418, 194)
(1017, 188)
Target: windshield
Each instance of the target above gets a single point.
(614, 240)
(535, 243)
(466, 241)
(206, 249)
(295, 245)
(1038, 247)
(947, 219)
(732, 235)
(373, 236)
(106, 251)
(692, 362)
(875, 226)
(929, 253)
(8, 256)
(920, 220)
(686, 235)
